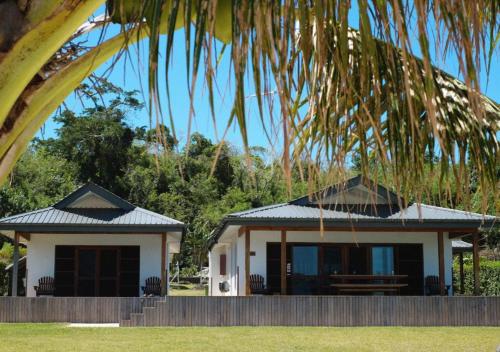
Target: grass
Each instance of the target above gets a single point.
(186, 290)
(57, 337)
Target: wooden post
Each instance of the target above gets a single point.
(461, 262)
(247, 262)
(475, 261)
(163, 258)
(15, 267)
(441, 263)
(283, 262)
(168, 269)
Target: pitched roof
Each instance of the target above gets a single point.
(91, 208)
(418, 212)
(336, 207)
(378, 192)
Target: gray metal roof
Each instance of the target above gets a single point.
(422, 212)
(120, 216)
(304, 212)
(459, 244)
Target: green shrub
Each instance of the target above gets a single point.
(489, 278)
(4, 287)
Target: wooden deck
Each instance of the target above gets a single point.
(258, 311)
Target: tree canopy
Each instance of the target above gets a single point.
(198, 183)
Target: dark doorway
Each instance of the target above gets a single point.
(103, 271)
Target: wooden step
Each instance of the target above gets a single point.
(125, 323)
(150, 316)
(137, 319)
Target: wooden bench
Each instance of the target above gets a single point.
(45, 286)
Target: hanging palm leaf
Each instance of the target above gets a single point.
(343, 92)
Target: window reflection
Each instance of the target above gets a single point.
(383, 260)
(305, 260)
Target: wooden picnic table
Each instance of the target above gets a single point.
(344, 277)
(368, 283)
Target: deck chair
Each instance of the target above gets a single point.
(432, 286)
(45, 286)
(257, 285)
(152, 287)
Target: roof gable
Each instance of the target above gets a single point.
(93, 196)
(357, 190)
(91, 209)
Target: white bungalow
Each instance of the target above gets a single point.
(370, 244)
(93, 243)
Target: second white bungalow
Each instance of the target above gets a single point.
(369, 245)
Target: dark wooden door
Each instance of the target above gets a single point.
(90, 271)
(97, 274)
(86, 285)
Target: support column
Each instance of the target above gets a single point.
(475, 261)
(247, 262)
(15, 267)
(163, 258)
(461, 262)
(283, 262)
(441, 263)
(168, 269)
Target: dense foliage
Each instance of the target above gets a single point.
(180, 181)
(489, 276)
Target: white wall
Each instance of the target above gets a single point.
(258, 240)
(230, 250)
(41, 252)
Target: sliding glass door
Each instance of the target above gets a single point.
(313, 268)
(305, 270)
(383, 260)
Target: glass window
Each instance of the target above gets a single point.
(305, 260)
(383, 260)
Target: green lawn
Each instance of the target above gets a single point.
(54, 337)
(186, 290)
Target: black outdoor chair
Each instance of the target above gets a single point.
(45, 286)
(153, 286)
(257, 285)
(432, 286)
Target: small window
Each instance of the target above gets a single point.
(222, 265)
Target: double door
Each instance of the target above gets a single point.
(97, 272)
(105, 271)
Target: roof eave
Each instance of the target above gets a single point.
(436, 224)
(100, 228)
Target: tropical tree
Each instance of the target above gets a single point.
(367, 88)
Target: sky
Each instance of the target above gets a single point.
(130, 73)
